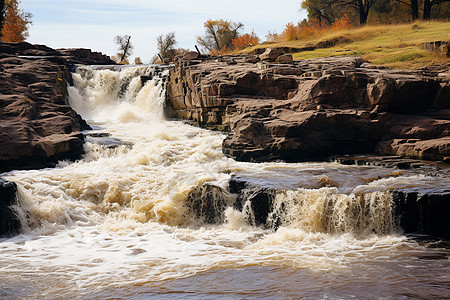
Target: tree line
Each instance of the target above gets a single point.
(224, 36)
(382, 11)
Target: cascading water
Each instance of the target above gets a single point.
(148, 212)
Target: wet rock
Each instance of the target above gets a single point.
(254, 200)
(9, 223)
(208, 203)
(105, 139)
(413, 213)
(423, 214)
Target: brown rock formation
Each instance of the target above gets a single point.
(37, 126)
(314, 108)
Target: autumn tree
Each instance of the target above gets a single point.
(219, 35)
(137, 61)
(125, 48)
(13, 21)
(166, 46)
(245, 40)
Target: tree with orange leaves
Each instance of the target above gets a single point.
(246, 40)
(13, 21)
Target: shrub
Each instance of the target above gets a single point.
(245, 40)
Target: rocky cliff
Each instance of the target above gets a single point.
(38, 127)
(276, 109)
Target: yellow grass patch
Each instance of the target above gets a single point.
(393, 46)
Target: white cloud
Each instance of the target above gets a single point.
(94, 23)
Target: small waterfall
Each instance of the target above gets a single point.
(322, 210)
(327, 211)
(130, 94)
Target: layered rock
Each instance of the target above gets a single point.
(38, 126)
(313, 108)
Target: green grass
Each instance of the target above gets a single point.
(393, 46)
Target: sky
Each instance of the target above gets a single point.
(94, 23)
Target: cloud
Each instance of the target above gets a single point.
(94, 23)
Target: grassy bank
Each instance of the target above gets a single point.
(393, 46)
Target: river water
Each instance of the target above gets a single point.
(119, 222)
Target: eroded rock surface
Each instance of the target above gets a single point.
(314, 108)
(38, 127)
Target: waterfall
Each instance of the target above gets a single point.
(155, 199)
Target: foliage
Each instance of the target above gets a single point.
(219, 35)
(342, 23)
(273, 37)
(245, 40)
(137, 61)
(14, 21)
(125, 48)
(376, 11)
(311, 28)
(165, 45)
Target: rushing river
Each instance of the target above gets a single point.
(119, 223)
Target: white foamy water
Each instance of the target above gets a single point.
(119, 223)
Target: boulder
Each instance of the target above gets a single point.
(191, 55)
(271, 54)
(285, 59)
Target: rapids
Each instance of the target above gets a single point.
(122, 222)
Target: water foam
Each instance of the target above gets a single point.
(124, 215)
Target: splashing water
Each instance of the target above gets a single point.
(150, 202)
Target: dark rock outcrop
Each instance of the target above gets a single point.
(38, 126)
(424, 214)
(314, 108)
(9, 224)
(85, 57)
(413, 213)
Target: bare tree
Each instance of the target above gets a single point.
(165, 45)
(125, 46)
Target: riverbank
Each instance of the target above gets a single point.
(38, 125)
(278, 109)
